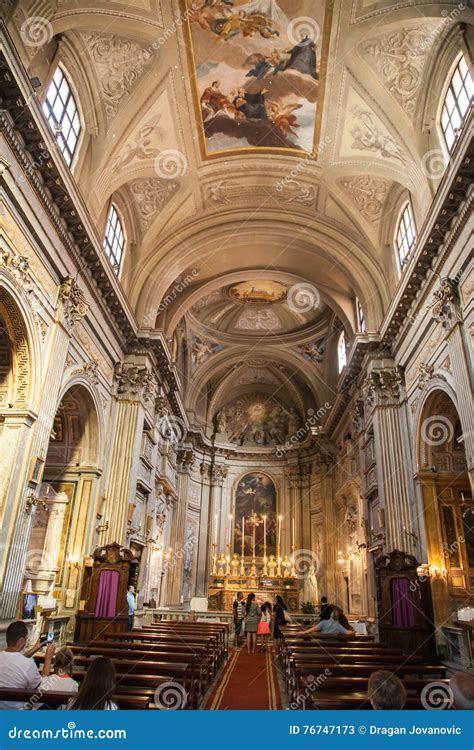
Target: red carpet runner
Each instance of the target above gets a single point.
(249, 681)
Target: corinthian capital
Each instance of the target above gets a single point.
(131, 380)
(444, 303)
(383, 387)
(71, 295)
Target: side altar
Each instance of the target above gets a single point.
(223, 590)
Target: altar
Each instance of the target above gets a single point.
(224, 589)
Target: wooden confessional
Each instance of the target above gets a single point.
(404, 604)
(104, 593)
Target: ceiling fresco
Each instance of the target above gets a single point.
(258, 72)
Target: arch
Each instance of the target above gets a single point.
(438, 430)
(20, 332)
(194, 245)
(90, 398)
(70, 482)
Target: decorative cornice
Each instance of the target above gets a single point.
(36, 152)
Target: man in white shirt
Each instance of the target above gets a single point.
(131, 606)
(330, 627)
(18, 671)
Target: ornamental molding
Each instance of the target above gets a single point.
(119, 64)
(368, 194)
(17, 265)
(151, 195)
(399, 58)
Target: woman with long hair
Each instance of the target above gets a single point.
(279, 610)
(252, 618)
(95, 693)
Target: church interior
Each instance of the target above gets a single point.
(237, 341)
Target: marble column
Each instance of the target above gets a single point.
(48, 567)
(386, 414)
(175, 571)
(205, 540)
(130, 382)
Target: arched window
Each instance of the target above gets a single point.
(405, 235)
(341, 352)
(114, 240)
(456, 102)
(62, 114)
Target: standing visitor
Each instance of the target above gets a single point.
(279, 610)
(252, 617)
(131, 606)
(263, 629)
(238, 611)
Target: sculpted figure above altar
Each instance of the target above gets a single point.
(272, 566)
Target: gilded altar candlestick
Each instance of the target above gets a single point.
(214, 560)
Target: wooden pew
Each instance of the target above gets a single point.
(215, 654)
(53, 700)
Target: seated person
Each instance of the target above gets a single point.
(386, 691)
(462, 688)
(61, 681)
(97, 688)
(329, 627)
(17, 670)
(325, 610)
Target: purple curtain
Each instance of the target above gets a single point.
(403, 607)
(107, 594)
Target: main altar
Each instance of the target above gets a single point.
(266, 575)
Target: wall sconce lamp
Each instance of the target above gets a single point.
(102, 527)
(73, 562)
(438, 571)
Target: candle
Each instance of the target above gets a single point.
(230, 530)
(264, 530)
(243, 534)
(293, 532)
(215, 528)
(279, 530)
